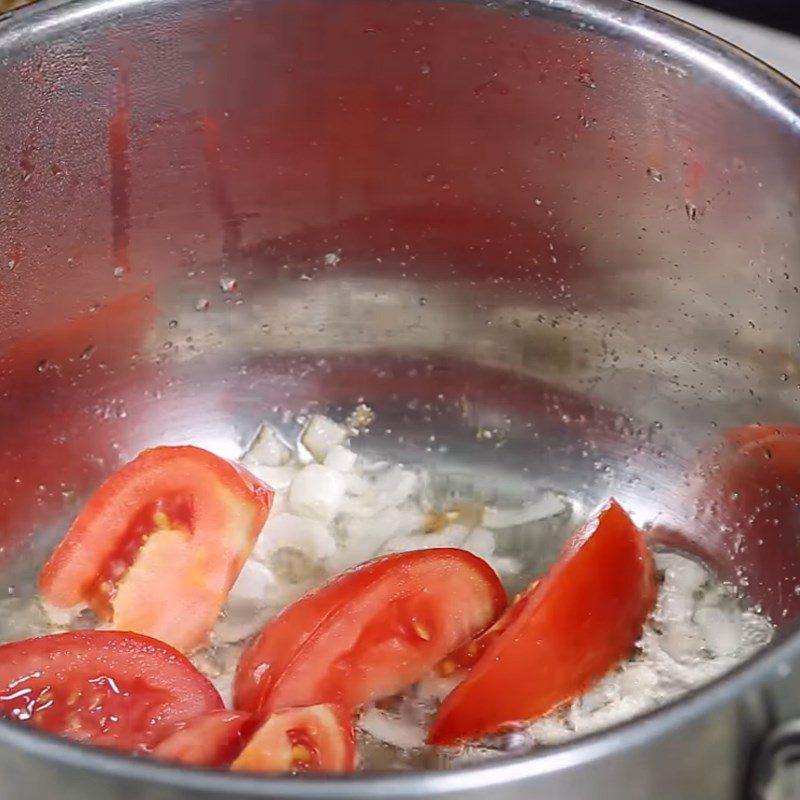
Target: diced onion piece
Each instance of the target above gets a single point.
(549, 731)
(340, 458)
(267, 449)
(391, 729)
(24, 617)
(721, 629)
(481, 543)
(63, 617)
(317, 491)
(223, 683)
(277, 477)
(639, 679)
(239, 621)
(451, 536)
(433, 688)
(757, 631)
(682, 578)
(681, 572)
(549, 504)
(250, 602)
(280, 502)
(389, 489)
(682, 642)
(310, 536)
(253, 585)
(385, 525)
(364, 537)
(320, 435)
(505, 565)
(599, 696)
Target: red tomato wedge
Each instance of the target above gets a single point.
(211, 740)
(317, 738)
(105, 688)
(584, 617)
(369, 632)
(159, 545)
(468, 654)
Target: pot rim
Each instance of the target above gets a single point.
(737, 71)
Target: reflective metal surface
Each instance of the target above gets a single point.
(547, 242)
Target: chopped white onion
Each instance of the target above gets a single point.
(267, 449)
(254, 584)
(598, 696)
(320, 435)
(757, 632)
(392, 729)
(387, 524)
(280, 502)
(223, 683)
(355, 483)
(353, 553)
(549, 504)
(481, 543)
(340, 510)
(388, 489)
(683, 577)
(317, 491)
(362, 538)
(310, 536)
(721, 628)
(676, 605)
(240, 621)
(505, 565)
(451, 536)
(681, 641)
(638, 679)
(26, 617)
(62, 617)
(684, 574)
(340, 458)
(549, 731)
(276, 477)
(433, 688)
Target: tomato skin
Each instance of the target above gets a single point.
(584, 617)
(176, 512)
(466, 656)
(107, 688)
(370, 631)
(211, 740)
(317, 738)
(266, 658)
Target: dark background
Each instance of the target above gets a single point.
(781, 14)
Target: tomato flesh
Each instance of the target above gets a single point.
(317, 738)
(370, 632)
(159, 545)
(469, 654)
(177, 510)
(105, 688)
(583, 618)
(280, 640)
(212, 740)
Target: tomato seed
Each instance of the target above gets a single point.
(301, 755)
(420, 630)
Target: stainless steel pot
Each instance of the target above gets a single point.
(547, 242)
